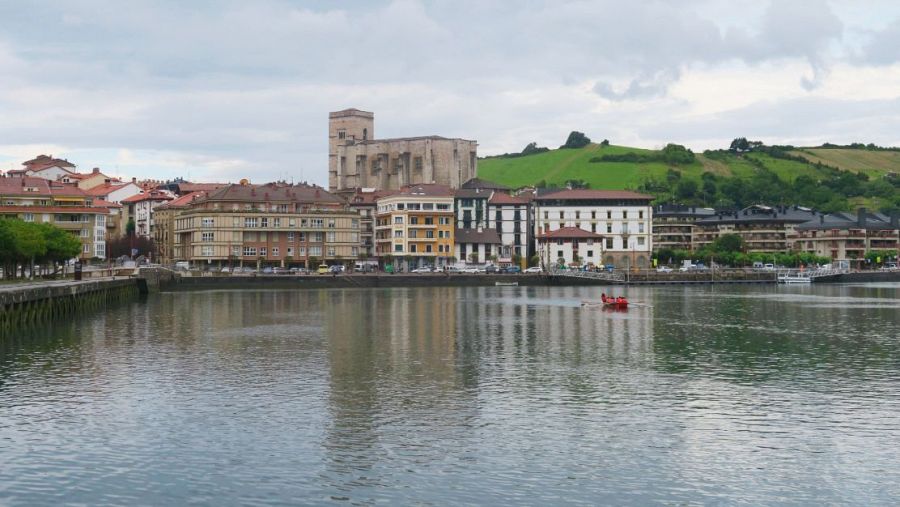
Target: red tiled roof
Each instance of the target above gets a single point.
(47, 161)
(183, 201)
(149, 196)
(105, 188)
(586, 193)
(501, 198)
(429, 189)
(100, 203)
(16, 186)
(569, 232)
(197, 187)
(273, 192)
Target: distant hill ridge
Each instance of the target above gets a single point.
(827, 177)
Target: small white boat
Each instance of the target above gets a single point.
(794, 278)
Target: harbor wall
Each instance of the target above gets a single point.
(41, 303)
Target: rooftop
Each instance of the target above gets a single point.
(569, 233)
(587, 194)
(489, 236)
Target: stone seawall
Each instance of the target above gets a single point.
(30, 304)
(862, 277)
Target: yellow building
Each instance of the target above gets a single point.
(265, 225)
(416, 224)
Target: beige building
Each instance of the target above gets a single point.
(846, 236)
(357, 159)
(35, 199)
(274, 224)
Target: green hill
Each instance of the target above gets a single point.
(828, 178)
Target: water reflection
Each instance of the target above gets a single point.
(460, 395)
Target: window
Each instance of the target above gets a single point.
(342, 134)
(428, 206)
(354, 223)
(561, 215)
(577, 215)
(100, 235)
(444, 220)
(250, 222)
(609, 243)
(398, 234)
(86, 249)
(331, 223)
(641, 215)
(625, 214)
(85, 233)
(276, 222)
(590, 242)
(206, 251)
(593, 215)
(609, 215)
(274, 251)
(398, 220)
(559, 254)
(398, 248)
(290, 251)
(590, 253)
(236, 222)
(249, 251)
(28, 217)
(315, 251)
(100, 250)
(609, 228)
(412, 248)
(417, 163)
(236, 251)
(641, 227)
(207, 236)
(427, 248)
(559, 242)
(354, 251)
(262, 251)
(593, 227)
(331, 236)
(641, 241)
(292, 223)
(317, 223)
(429, 220)
(443, 207)
(413, 233)
(290, 237)
(207, 222)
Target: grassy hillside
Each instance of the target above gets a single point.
(556, 167)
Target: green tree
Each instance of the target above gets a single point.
(576, 140)
(728, 243)
(686, 189)
(130, 227)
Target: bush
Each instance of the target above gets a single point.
(576, 140)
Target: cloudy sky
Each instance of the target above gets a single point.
(218, 90)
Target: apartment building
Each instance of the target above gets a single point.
(275, 224)
(415, 226)
(509, 216)
(622, 217)
(764, 229)
(364, 201)
(846, 236)
(140, 209)
(673, 225)
(164, 225)
(35, 199)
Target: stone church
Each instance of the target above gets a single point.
(356, 159)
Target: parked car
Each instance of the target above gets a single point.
(534, 269)
(280, 271)
(453, 269)
(471, 270)
(890, 266)
(336, 269)
(512, 270)
(664, 269)
(248, 269)
(423, 269)
(268, 270)
(323, 269)
(226, 269)
(299, 271)
(490, 268)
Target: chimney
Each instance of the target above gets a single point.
(861, 218)
(133, 179)
(96, 170)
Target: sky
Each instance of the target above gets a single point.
(220, 90)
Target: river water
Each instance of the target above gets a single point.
(493, 395)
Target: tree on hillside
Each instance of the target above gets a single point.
(686, 189)
(741, 145)
(604, 143)
(677, 154)
(576, 140)
(728, 243)
(532, 148)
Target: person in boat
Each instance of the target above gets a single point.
(621, 300)
(603, 297)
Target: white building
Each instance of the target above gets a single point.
(115, 192)
(621, 217)
(508, 215)
(140, 209)
(569, 246)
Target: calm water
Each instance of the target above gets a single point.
(734, 395)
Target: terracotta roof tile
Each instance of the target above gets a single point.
(586, 193)
(569, 233)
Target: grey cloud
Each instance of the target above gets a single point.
(884, 47)
(642, 87)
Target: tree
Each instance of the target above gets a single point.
(604, 143)
(576, 140)
(739, 145)
(532, 148)
(29, 242)
(728, 243)
(130, 227)
(473, 257)
(677, 154)
(534, 260)
(686, 189)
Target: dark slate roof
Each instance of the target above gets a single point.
(678, 210)
(488, 236)
(843, 220)
(759, 213)
(471, 193)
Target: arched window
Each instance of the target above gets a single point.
(365, 134)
